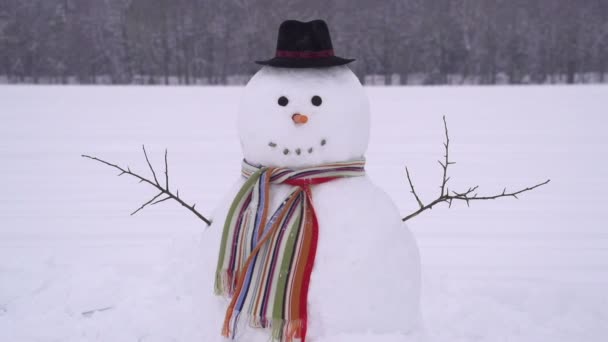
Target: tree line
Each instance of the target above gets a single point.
(216, 42)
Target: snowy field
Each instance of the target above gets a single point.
(74, 266)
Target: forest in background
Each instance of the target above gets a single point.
(216, 42)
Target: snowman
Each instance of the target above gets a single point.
(306, 247)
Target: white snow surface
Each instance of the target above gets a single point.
(74, 266)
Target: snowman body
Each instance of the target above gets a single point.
(366, 273)
(366, 276)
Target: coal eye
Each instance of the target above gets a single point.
(283, 101)
(316, 100)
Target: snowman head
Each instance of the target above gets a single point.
(300, 117)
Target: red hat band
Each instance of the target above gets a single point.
(305, 54)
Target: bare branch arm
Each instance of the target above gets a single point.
(467, 196)
(163, 190)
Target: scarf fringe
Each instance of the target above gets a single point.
(225, 283)
(281, 330)
(288, 331)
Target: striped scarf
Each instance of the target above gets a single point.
(265, 262)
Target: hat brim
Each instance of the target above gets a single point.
(284, 62)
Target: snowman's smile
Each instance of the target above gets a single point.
(298, 151)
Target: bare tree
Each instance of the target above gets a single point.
(193, 41)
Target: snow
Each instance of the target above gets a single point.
(74, 266)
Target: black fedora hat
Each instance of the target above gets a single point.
(304, 45)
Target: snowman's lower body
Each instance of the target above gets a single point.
(364, 295)
(372, 290)
(365, 284)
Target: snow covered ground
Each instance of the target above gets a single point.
(74, 266)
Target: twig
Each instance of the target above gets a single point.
(163, 190)
(145, 204)
(446, 197)
(447, 161)
(407, 172)
(164, 199)
(166, 172)
(91, 312)
(150, 165)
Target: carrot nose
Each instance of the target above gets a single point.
(299, 118)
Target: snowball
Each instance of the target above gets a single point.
(336, 130)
